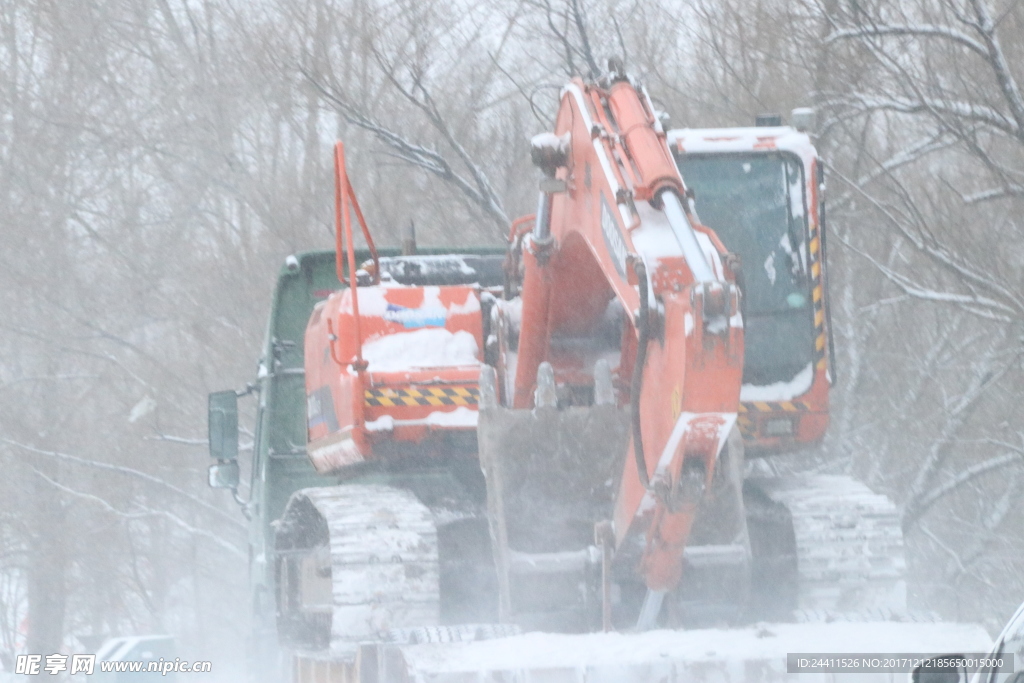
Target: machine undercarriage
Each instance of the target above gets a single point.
(374, 562)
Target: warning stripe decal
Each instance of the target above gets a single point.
(746, 426)
(425, 396)
(773, 407)
(745, 419)
(817, 295)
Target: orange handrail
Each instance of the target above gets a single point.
(345, 201)
(517, 226)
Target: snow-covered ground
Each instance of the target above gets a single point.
(727, 656)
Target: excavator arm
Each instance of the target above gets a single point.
(614, 222)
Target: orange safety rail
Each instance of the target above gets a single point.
(520, 226)
(344, 203)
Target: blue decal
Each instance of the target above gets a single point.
(416, 317)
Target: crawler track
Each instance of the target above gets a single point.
(849, 547)
(382, 555)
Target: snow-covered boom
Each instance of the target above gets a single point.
(614, 279)
(555, 440)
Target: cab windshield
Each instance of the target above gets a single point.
(755, 203)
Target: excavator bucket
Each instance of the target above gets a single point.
(551, 477)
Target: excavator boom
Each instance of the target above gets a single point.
(614, 237)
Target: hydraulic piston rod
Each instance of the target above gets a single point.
(686, 237)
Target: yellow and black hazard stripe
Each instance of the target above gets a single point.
(748, 427)
(424, 396)
(818, 298)
(774, 406)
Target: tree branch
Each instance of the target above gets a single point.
(923, 30)
(958, 109)
(997, 60)
(938, 452)
(478, 191)
(146, 512)
(120, 469)
(969, 474)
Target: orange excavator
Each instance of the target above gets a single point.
(550, 439)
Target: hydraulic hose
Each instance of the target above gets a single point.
(637, 383)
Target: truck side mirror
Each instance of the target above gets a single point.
(223, 425)
(224, 475)
(223, 434)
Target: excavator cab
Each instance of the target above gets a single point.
(759, 189)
